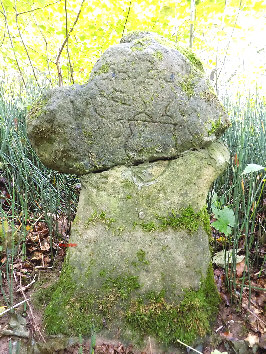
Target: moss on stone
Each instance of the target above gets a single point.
(100, 216)
(141, 259)
(88, 136)
(186, 219)
(103, 69)
(185, 321)
(158, 55)
(141, 44)
(79, 168)
(188, 85)
(217, 128)
(37, 108)
(194, 60)
(75, 311)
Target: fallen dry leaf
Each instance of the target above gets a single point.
(252, 339)
(240, 268)
(45, 246)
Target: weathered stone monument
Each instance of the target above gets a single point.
(142, 134)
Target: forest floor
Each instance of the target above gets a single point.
(239, 327)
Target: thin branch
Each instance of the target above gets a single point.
(4, 36)
(35, 325)
(192, 21)
(46, 45)
(25, 47)
(128, 12)
(68, 55)
(189, 347)
(229, 42)
(11, 42)
(60, 78)
(13, 307)
(38, 8)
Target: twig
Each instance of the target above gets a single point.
(12, 45)
(252, 313)
(128, 12)
(25, 47)
(27, 286)
(63, 45)
(195, 350)
(35, 326)
(150, 345)
(38, 8)
(218, 329)
(68, 54)
(11, 308)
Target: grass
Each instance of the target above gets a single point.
(243, 193)
(29, 190)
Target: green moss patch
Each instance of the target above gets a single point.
(74, 310)
(103, 69)
(141, 44)
(101, 216)
(37, 108)
(168, 322)
(158, 55)
(217, 128)
(188, 85)
(186, 219)
(194, 60)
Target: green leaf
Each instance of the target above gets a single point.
(252, 167)
(218, 352)
(225, 220)
(3, 228)
(221, 225)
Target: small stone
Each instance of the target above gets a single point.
(141, 215)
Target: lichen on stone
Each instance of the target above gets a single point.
(37, 108)
(158, 55)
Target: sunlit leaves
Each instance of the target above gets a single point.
(101, 24)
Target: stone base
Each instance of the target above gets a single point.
(141, 265)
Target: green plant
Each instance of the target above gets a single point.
(32, 192)
(237, 195)
(225, 217)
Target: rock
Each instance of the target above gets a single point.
(223, 257)
(123, 261)
(147, 122)
(146, 100)
(17, 327)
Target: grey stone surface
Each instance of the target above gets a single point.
(145, 101)
(147, 121)
(114, 216)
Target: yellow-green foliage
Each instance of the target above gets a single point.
(101, 24)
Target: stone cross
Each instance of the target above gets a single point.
(147, 122)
